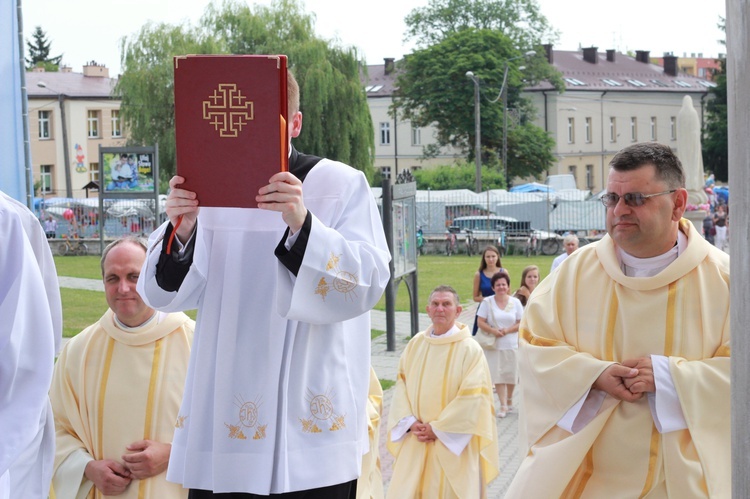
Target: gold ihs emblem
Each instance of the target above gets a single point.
(343, 281)
(248, 415)
(321, 408)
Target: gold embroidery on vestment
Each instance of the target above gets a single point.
(180, 423)
(322, 409)
(247, 416)
(344, 282)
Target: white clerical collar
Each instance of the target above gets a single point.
(451, 331)
(649, 267)
(135, 329)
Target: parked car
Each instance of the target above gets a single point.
(498, 228)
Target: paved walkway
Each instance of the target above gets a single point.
(386, 367)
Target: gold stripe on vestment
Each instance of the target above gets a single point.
(102, 393)
(446, 375)
(609, 342)
(155, 364)
(653, 455)
(723, 351)
(668, 347)
(539, 341)
(469, 392)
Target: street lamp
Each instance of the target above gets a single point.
(504, 94)
(66, 153)
(477, 131)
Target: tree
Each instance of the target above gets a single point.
(519, 20)
(433, 89)
(39, 51)
(459, 176)
(715, 133)
(337, 122)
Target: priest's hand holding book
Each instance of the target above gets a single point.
(283, 194)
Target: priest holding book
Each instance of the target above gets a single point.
(276, 393)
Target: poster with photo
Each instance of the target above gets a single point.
(128, 171)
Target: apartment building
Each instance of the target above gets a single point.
(399, 146)
(611, 100)
(70, 116)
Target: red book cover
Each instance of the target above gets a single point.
(230, 125)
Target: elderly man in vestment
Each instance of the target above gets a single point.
(441, 425)
(117, 389)
(624, 352)
(276, 397)
(30, 332)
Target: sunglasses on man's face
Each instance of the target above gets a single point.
(631, 199)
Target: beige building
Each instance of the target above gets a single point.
(70, 116)
(398, 145)
(611, 100)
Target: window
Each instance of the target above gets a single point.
(416, 136)
(94, 172)
(571, 130)
(116, 130)
(575, 82)
(613, 129)
(587, 127)
(653, 128)
(633, 129)
(45, 179)
(385, 134)
(93, 124)
(673, 128)
(589, 177)
(573, 169)
(44, 124)
(385, 171)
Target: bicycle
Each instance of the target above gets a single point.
(72, 246)
(472, 245)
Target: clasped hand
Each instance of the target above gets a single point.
(423, 432)
(629, 380)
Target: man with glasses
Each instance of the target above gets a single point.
(624, 352)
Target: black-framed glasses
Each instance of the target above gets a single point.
(631, 199)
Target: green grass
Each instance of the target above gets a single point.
(81, 308)
(458, 271)
(78, 266)
(374, 333)
(386, 383)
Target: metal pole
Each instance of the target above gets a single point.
(25, 114)
(66, 153)
(504, 91)
(477, 137)
(738, 105)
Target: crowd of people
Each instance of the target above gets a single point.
(621, 355)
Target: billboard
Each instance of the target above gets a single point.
(128, 171)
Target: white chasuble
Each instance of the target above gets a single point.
(112, 388)
(589, 315)
(444, 381)
(276, 395)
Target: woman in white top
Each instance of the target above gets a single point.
(500, 315)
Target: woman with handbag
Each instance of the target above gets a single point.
(489, 266)
(499, 317)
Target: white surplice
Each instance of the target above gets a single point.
(27, 349)
(276, 393)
